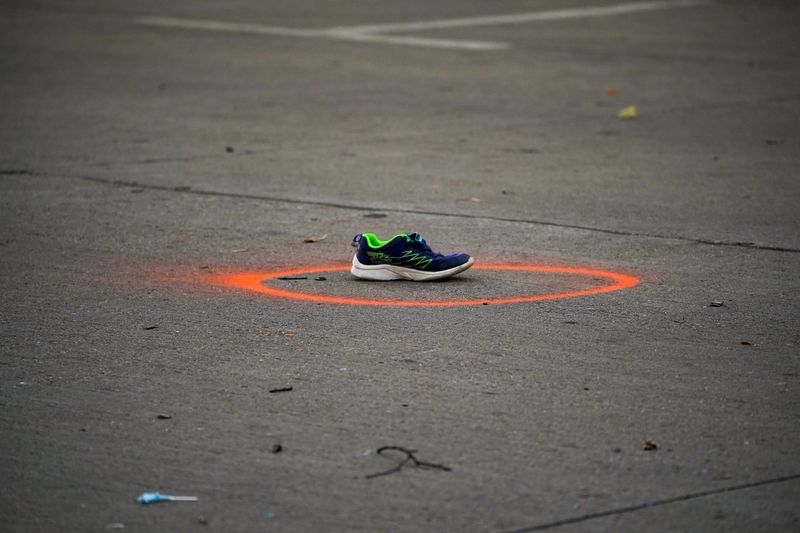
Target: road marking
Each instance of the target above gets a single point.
(376, 33)
(230, 27)
(344, 34)
(337, 34)
(522, 18)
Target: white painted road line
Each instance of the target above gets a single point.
(368, 37)
(522, 18)
(338, 34)
(376, 33)
(230, 27)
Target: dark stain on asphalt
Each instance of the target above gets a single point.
(409, 458)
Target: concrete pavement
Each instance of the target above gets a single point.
(137, 162)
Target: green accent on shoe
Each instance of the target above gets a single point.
(420, 261)
(408, 258)
(379, 257)
(374, 242)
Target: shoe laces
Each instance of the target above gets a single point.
(416, 241)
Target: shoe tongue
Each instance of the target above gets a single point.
(415, 237)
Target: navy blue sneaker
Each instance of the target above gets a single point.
(404, 256)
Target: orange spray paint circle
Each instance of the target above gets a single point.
(255, 282)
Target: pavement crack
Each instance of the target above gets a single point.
(182, 159)
(339, 205)
(13, 172)
(654, 503)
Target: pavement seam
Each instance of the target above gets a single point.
(654, 503)
(201, 192)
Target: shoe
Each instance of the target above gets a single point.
(404, 256)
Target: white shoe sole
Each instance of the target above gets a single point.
(391, 272)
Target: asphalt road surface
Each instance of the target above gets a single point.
(151, 152)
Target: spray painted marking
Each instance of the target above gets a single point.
(255, 282)
(336, 34)
(376, 33)
(522, 18)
